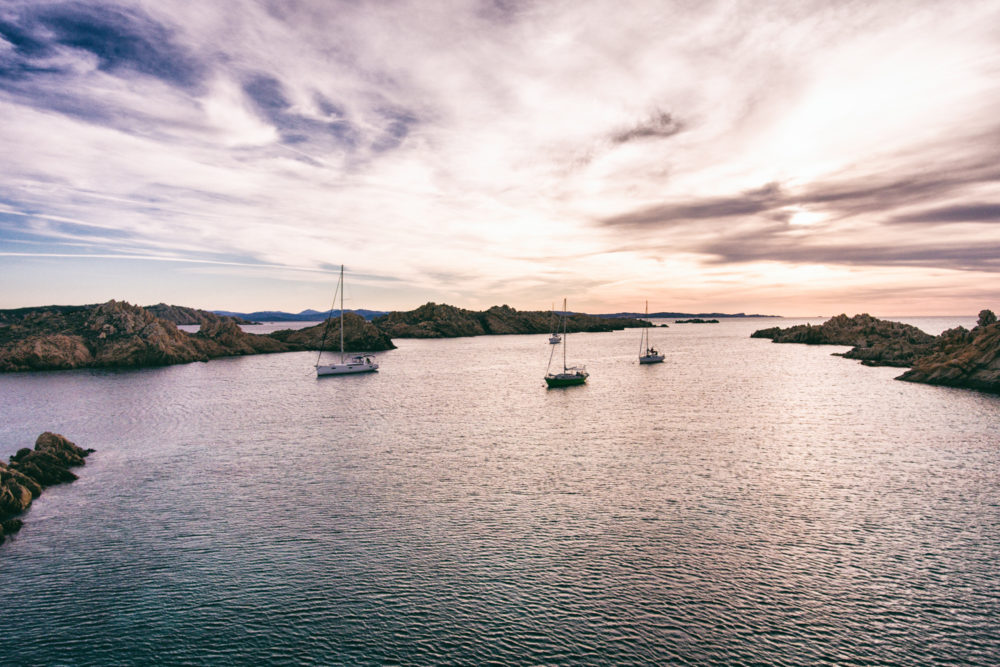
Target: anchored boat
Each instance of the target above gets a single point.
(571, 375)
(648, 353)
(359, 363)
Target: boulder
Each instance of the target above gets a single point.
(30, 471)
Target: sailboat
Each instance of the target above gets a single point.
(361, 363)
(648, 353)
(555, 338)
(570, 375)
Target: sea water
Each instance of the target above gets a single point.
(741, 503)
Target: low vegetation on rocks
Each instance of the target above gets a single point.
(359, 335)
(433, 320)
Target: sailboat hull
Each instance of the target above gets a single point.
(345, 369)
(565, 379)
(651, 359)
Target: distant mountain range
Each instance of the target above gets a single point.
(665, 315)
(310, 315)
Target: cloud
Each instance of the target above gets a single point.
(544, 147)
(120, 39)
(658, 126)
(748, 203)
(268, 97)
(989, 213)
(959, 256)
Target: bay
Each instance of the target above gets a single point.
(743, 502)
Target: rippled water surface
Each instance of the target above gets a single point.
(742, 503)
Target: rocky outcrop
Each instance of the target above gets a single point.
(360, 335)
(956, 358)
(31, 471)
(223, 337)
(443, 321)
(116, 335)
(962, 358)
(876, 342)
(182, 315)
(696, 320)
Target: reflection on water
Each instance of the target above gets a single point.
(743, 502)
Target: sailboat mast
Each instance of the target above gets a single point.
(646, 336)
(341, 313)
(565, 339)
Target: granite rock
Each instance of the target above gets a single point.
(30, 471)
(969, 359)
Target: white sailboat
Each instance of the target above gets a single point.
(648, 353)
(571, 375)
(360, 363)
(555, 338)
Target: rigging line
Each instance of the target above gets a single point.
(552, 352)
(329, 318)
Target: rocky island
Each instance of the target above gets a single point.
(956, 358)
(117, 334)
(875, 342)
(31, 471)
(696, 320)
(433, 320)
(359, 335)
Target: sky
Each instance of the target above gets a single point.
(794, 158)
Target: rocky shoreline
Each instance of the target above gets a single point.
(117, 334)
(32, 471)
(956, 358)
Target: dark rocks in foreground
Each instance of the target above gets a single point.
(956, 358)
(433, 320)
(31, 471)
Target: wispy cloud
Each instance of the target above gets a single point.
(658, 126)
